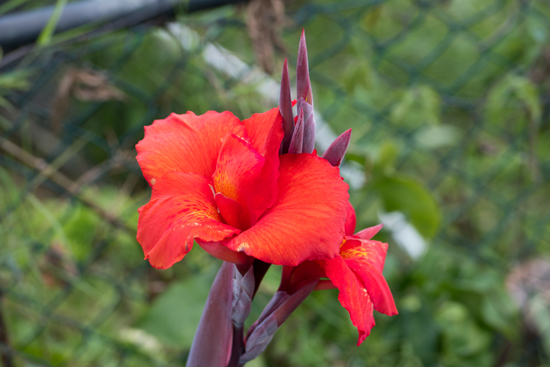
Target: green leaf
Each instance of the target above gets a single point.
(512, 87)
(538, 307)
(371, 18)
(387, 154)
(80, 229)
(462, 337)
(15, 80)
(537, 30)
(419, 105)
(499, 312)
(402, 108)
(430, 103)
(358, 74)
(404, 194)
(4, 103)
(47, 33)
(12, 4)
(527, 93)
(433, 137)
(9, 189)
(174, 316)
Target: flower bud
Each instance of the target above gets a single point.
(285, 108)
(337, 150)
(297, 141)
(303, 83)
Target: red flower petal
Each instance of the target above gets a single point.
(372, 251)
(265, 131)
(229, 209)
(218, 250)
(351, 222)
(352, 295)
(368, 233)
(307, 220)
(366, 258)
(239, 177)
(308, 270)
(182, 208)
(324, 284)
(185, 143)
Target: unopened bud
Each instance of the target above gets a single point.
(337, 150)
(297, 141)
(285, 107)
(303, 83)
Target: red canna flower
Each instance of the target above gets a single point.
(356, 272)
(256, 189)
(222, 182)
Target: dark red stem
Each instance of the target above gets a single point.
(212, 342)
(238, 346)
(260, 268)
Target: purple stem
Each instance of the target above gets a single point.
(238, 346)
(274, 315)
(212, 343)
(260, 268)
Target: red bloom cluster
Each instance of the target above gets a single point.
(356, 272)
(256, 189)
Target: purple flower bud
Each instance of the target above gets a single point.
(274, 315)
(297, 140)
(303, 83)
(309, 134)
(292, 303)
(309, 125)
(277, 300)
(285, 107)
(337, 150)
(260, 338)
(301, 104)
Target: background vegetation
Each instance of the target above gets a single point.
(449, 105)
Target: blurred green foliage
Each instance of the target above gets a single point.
(449, 105)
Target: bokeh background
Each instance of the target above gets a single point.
(449, 101)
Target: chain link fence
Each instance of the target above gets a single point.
(449, 102)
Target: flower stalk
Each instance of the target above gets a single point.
(212, 343)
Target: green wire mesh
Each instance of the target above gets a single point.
(449, 105)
